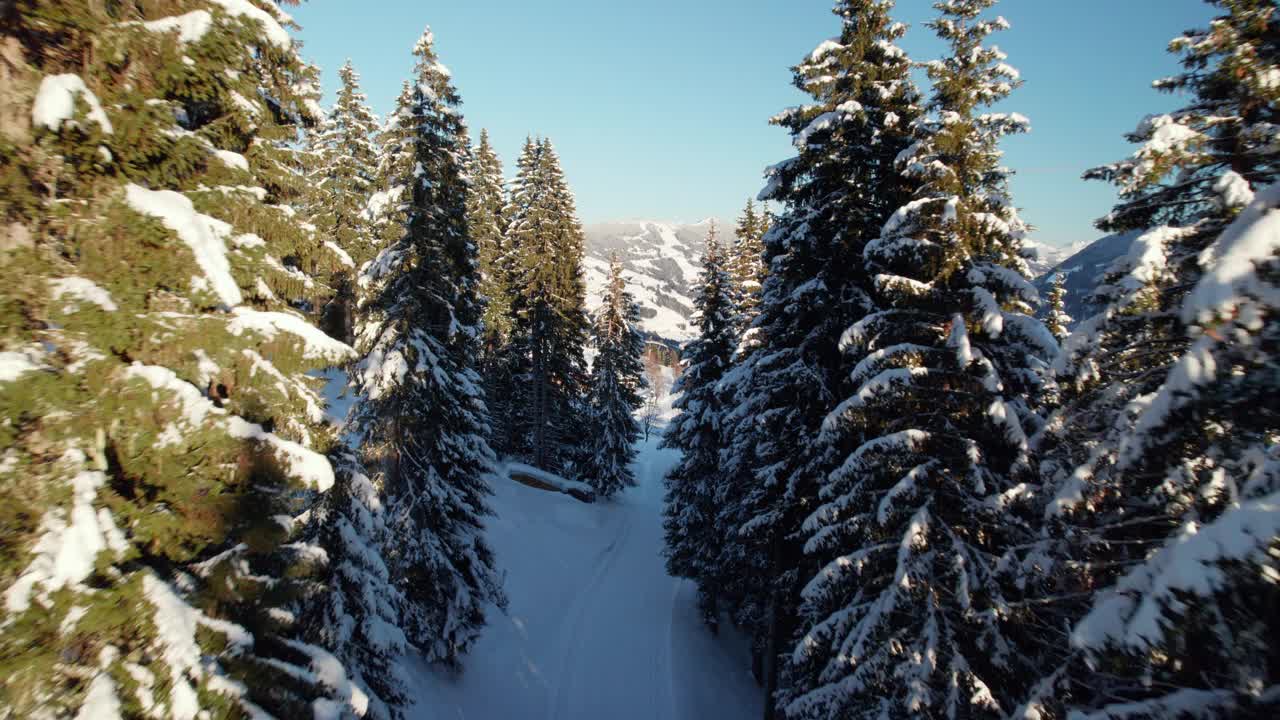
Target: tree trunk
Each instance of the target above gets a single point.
(774, 643)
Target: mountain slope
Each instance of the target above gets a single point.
(660, 262)
(1084, 271)
(1048, 256)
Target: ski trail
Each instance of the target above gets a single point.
(595, 628)
(576, 620)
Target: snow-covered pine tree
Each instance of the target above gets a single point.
(487, 220)
(692, 541)
(911, 617)
(389, 204)
(737, 590)
(344, 177)
(359, 618)
(280, 164)
(1163, 460)
(549, 329)
(508, 370)
(358, 615)
(421, 412)
(613, 395)
(1056, 319)
(835, 193)
(747, 261)
(488, 229)
(158, 425)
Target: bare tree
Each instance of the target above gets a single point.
(656, 379)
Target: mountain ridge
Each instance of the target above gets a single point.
(661, 261)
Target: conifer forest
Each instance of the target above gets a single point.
(312, 412)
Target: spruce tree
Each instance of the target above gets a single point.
(421, 412)
(912, 615)
(1057, 320)
(488, 230)
(613, 395)
(747, 264)
(387, 208)
(549, 328)
(358, 615)
(509, 370)
(159, 430)
(344, 176)
(836, 193)
(1160, 467)
(359, 618)
(487, 220)
(691, 486)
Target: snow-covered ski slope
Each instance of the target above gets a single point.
(595, 628)
(660, 262)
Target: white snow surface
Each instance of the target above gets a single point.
(309, 467)
(82, 289)
(660, 263)
(231, 159)
(205, 236)
(14, 365)
(190, 27)
(1144, 604)
(343, 256)
(595, 627)
(100, 703)
(1230, 263)
(316, 344)
(56, 102)
(69, 542)
(176, 625)
(275, 33)
(542, 476)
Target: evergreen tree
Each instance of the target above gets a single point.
(159, 430)
(1161, 465)
(549, 328)
(421, 412)
(836, 192)
(387, 209)
(487, 220)
(613, 396)
(510, 368)
(747, 264)
(358, 615)
(912, 615)
(690, 510)
(344, 176)
(1057, 320)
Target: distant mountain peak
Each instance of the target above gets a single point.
(1083, 272)
(660, 261)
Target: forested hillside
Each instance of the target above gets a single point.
(312, 412)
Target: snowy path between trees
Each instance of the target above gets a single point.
(595, 627)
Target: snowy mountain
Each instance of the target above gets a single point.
(660, 262)
(1048, 256)
(1084, 270)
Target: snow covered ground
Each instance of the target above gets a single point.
(595, 627)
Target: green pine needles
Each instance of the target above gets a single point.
(161, 433)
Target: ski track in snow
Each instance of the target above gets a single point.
(595, 627)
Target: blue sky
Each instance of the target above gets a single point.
(660, 109)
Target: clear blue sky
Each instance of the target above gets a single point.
(660, 108)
